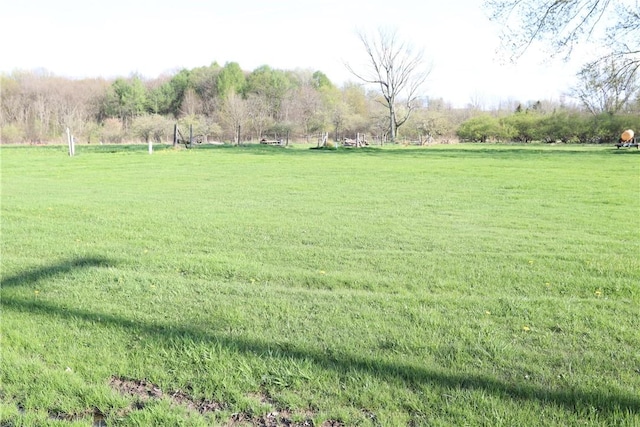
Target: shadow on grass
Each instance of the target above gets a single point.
(35, 275)
(630, 151)
(471, 150)
(573, 399)
(466, 150)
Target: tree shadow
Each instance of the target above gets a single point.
(604, 401)
(629, 152)
(472, 150)
(468, 149)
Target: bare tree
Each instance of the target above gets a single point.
(564, 23)
(398, 71)
(624, 36)
(258, 112)
(233, 114)
(191, 103)
(309, 113)
(605, 87)
(42, 105)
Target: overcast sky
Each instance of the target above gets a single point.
(88, 38)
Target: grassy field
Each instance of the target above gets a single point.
(492, 285)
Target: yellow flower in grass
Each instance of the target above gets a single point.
(526, 328)
(598, 293)
(323, 272)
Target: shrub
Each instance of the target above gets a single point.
(11, 134)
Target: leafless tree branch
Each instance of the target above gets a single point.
(396, 69)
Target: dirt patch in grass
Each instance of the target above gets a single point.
(144, 391)
(96, 415)
(69, 417)
(277, 419)
(141, 389)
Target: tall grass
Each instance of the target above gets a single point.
(452, 285)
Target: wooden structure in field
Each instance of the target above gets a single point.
(271, 141)
(359, 141)
(179, 138)
(627, 139)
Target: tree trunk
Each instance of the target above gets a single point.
(392, 123)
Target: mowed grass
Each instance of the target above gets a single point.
(470, 285)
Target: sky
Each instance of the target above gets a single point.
(116, 38)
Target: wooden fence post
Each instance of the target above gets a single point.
(175, 134)
(72, 150)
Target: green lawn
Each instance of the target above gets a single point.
(493, 285)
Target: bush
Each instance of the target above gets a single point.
(112, 131)
(480, 129)
(154, 128)
(11, 134)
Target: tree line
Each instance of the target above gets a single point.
(229, 104)
(556, 125)
(218, 101)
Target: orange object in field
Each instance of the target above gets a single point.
(627, 135)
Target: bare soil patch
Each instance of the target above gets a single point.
(144, 391)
